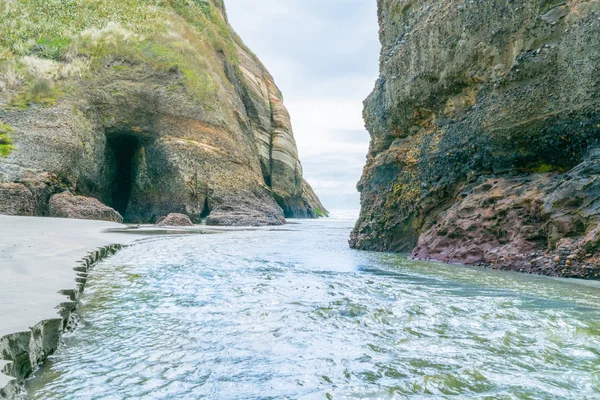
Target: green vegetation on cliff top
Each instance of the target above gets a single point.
(53, 40)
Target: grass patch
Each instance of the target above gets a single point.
(207, 19)
(40, 91)
(161, 55)
(6, 146)
(53, 49)
(50, 25)
(188, 35)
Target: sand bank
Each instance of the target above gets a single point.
(37, 261)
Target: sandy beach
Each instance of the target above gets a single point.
(37, 257)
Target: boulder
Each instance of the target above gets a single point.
(16, 199)
(68, 205)
(175, 219)
(243, 215)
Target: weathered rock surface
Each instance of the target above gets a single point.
(312, 203)
(485, 123)
(151, 108)
(16, 199)
(175, 220)
(245, 213)
(67, 205)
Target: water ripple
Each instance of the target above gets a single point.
(295, 314)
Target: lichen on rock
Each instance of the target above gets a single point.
(150, 107)
(482, 111)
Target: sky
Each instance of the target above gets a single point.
(324, 57)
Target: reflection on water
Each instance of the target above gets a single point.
(296, 314)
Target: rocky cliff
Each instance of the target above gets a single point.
(485, 125)
(151, 107)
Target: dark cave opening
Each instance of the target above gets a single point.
(124, 148)
(206, 209)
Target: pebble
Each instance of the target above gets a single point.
(556, 259)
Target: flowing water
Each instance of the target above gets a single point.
(293, 313)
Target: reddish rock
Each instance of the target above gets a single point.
(240, 215)
(544, 224)
(16, 199)
(175, 220)
(67, 205)
(499, 219)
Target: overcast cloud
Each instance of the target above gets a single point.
(323, 55)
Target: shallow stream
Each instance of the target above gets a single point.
(293, 313)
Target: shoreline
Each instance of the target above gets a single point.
(44, 264)
(25, 351)
(22, 350)
(43, 275)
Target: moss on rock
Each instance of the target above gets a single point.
(6, 145)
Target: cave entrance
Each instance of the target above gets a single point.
(206, 209)
(124, 147)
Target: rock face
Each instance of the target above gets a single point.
(175, 220)
(151, 108)
(485, 125)
(67, 205)
(16, 199)
(311, 202)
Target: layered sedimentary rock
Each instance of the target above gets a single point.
(485, 125)
(150, 107)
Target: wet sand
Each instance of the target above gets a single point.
(37, 257)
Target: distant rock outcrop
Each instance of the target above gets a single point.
(485, 123)
(312, 203)
(150, 107)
